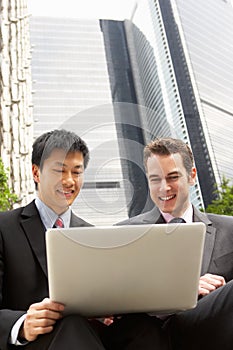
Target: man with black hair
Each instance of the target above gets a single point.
(28, 318)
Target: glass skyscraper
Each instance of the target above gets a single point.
(206, 32)
(191, 42)
(71, 90)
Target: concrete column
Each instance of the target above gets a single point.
(16, 120)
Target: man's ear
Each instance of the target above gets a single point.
(192, 176)
(36, 173)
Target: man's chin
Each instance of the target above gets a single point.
(63, 200)
(62, 205)
(167, 210)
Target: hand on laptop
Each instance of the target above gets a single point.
(40, 319)
(209, 282)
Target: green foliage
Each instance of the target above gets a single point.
(7, 198)
(224, 204)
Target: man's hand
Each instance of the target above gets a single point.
(40, 319)
(209, 282)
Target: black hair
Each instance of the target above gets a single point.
(58, 139)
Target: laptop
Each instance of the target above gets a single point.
(106, 270)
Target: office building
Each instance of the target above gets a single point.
(71, 90)
(192, 45)
(136, 76)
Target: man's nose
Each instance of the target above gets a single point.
(68, 178)
(164, 185)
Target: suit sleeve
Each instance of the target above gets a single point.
(7, 317)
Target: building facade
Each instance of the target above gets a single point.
(71, 90)
(192, 64)
(139, 75)
(206, 33)
(131, 133)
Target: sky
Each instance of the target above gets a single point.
(89, 9)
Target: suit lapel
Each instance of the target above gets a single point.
(209, 239)
(75, 221)
(35, 232)
(153, 217)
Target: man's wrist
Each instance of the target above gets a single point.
(21, 337)
(14, 336)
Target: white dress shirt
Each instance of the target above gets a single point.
(187, 215)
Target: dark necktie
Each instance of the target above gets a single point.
(177, 221)
(59, 223)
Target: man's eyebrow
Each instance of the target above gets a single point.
(154, 175)
(79, 166)
(58, 163)
(176, 172)
(61, 164)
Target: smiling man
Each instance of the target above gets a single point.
(171, 172)
(59, 179)
(169, 182)
(28, 317)
(59, 158)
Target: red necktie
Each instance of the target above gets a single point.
(59, 223)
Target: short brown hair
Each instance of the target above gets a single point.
(167, 146)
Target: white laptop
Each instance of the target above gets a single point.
(97, 271)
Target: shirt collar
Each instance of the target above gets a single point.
(48, 216)
(187, 215)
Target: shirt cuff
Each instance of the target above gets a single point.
(15, 332)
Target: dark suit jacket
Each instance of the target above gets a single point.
(218, 248)
(23, 268)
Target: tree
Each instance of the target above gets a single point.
(224, 204)
(7, 198)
